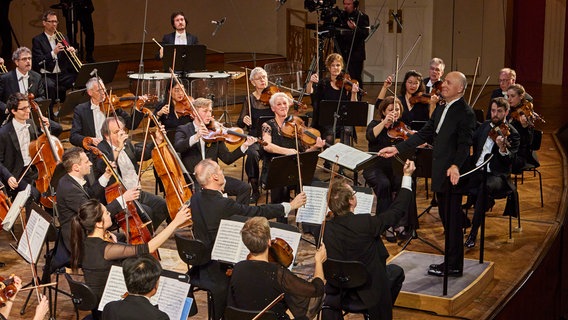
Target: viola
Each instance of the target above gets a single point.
(344, 80)
(501, 130)
(7, 289)
(280, 252)
(130, 222)
(125, 101)
(400, 131)
(49, 151)
(270, 90)
(526, 109)
(308, 136)
(4, 205)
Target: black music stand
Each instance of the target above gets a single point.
(283, 171)
(72, 99)
(188, 57)
(105, 70)
(349, 113)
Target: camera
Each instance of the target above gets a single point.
(313, 5)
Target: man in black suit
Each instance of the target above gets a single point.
(141, 275)
(180, 36)
(451, 128)
(126, 156)
(51, 57)
(435, 72)
(357, 237)
(74, 189)
(88, 117)
(208, 207)
(22, 79)
(83, 13)
(15, 137)
(507, 77)
(353, 50)
(189, 142)
(504, 150)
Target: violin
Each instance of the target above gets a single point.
(7, 289)
(46, 151)
(280, 252)
(425, 97)
(183, 108)
(233, 135)
(500, 130)
(126, 101)
(527, 110)
(270, 90)
(400, 131)
(344, 80)
(308, 136)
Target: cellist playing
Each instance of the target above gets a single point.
(15, 137)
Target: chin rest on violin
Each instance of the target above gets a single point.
(308, 136)
(400, 131)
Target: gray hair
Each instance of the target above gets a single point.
(277, 95)
(18, 53)
(256, 71)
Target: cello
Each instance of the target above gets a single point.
(136, 230)
(45, 159)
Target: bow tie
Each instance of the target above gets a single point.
(50, 38)
(95, 107)
(24, 127)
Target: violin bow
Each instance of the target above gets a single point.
(248, 94)
(473, 81)
(298, 156)
(332, 175)
(480, 91)
(401, 65)
(269, 306)
(172, 83)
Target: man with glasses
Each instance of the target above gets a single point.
(435, 72)
(15, 138)
(507, 77)
(52, 57)
(22, 79)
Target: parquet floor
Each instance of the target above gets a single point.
(513, 259)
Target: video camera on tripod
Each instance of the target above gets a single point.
(326, 9)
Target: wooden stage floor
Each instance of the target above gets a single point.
(513, 259)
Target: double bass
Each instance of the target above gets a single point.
(46, 152)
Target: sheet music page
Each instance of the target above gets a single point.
(314, 209)
(171, 296)
(228, 243)
(293, 239)
(36, 230)
(364, 203)
(114, 288)
(349, 157)
(14, 211)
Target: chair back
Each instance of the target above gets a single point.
(537, 140)
(83, 297)
(232, 313)
(345, 274)
(192, 251)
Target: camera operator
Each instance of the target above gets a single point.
(351, 18)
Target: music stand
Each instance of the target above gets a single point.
(188, 57)
(283, 171)
(350, 113)
(257, 123)
(105, 70)
(417, 125)
(72, 99)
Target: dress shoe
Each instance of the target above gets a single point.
(470, 241)
(466, 223)
(254, 198)
(390, 236)
(404, 235)
(438, 270)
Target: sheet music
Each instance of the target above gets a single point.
(349, 157)
(17, 205)
(315, 209)
(170, 296)
(229, 246)
(34, 233)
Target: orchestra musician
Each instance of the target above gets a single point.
(357, 237)
(180, 35)
(48, 57)
(381, 176)
(15, 138)
(255, 282)
(41, 309)
(210, 206)
(258, 109)
(21, 79)
(142, 278)
(83, 13)
(504, 150)
(507, 77)
(411, 86)
(517, 97)
(117, 148)
(278, 144)
(435, 72)
(189, 142)
(451, 128)
(176, 112)
(88, 117)
(95, 250)
(328, 89)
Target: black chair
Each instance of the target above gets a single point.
(533, 167)
(195, 254)
(345, 276)
(82, 296)
(232, 313)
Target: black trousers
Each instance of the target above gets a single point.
(449, 206)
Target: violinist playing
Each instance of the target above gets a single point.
(255, 282)
(381, 176)
(332, 88)
(517, 99)
(190, 143)
(96, 250)
(175, 113)
(501, 139)
(5, 308)
(412, 87)
(278, 144)
(126, 156)
(259, 79)
(15, 138)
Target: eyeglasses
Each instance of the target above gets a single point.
(24, 108)
(260, 78)
(25, 59)
(52, 21)
(505, 80)
(354, 193)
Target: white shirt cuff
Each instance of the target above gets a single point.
(193, 140)
(103, 181)
(121, 201)
(244, 148)
(407, 182)
(287, 208)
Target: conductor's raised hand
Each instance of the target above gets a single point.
(387, 152)
(299, 200)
